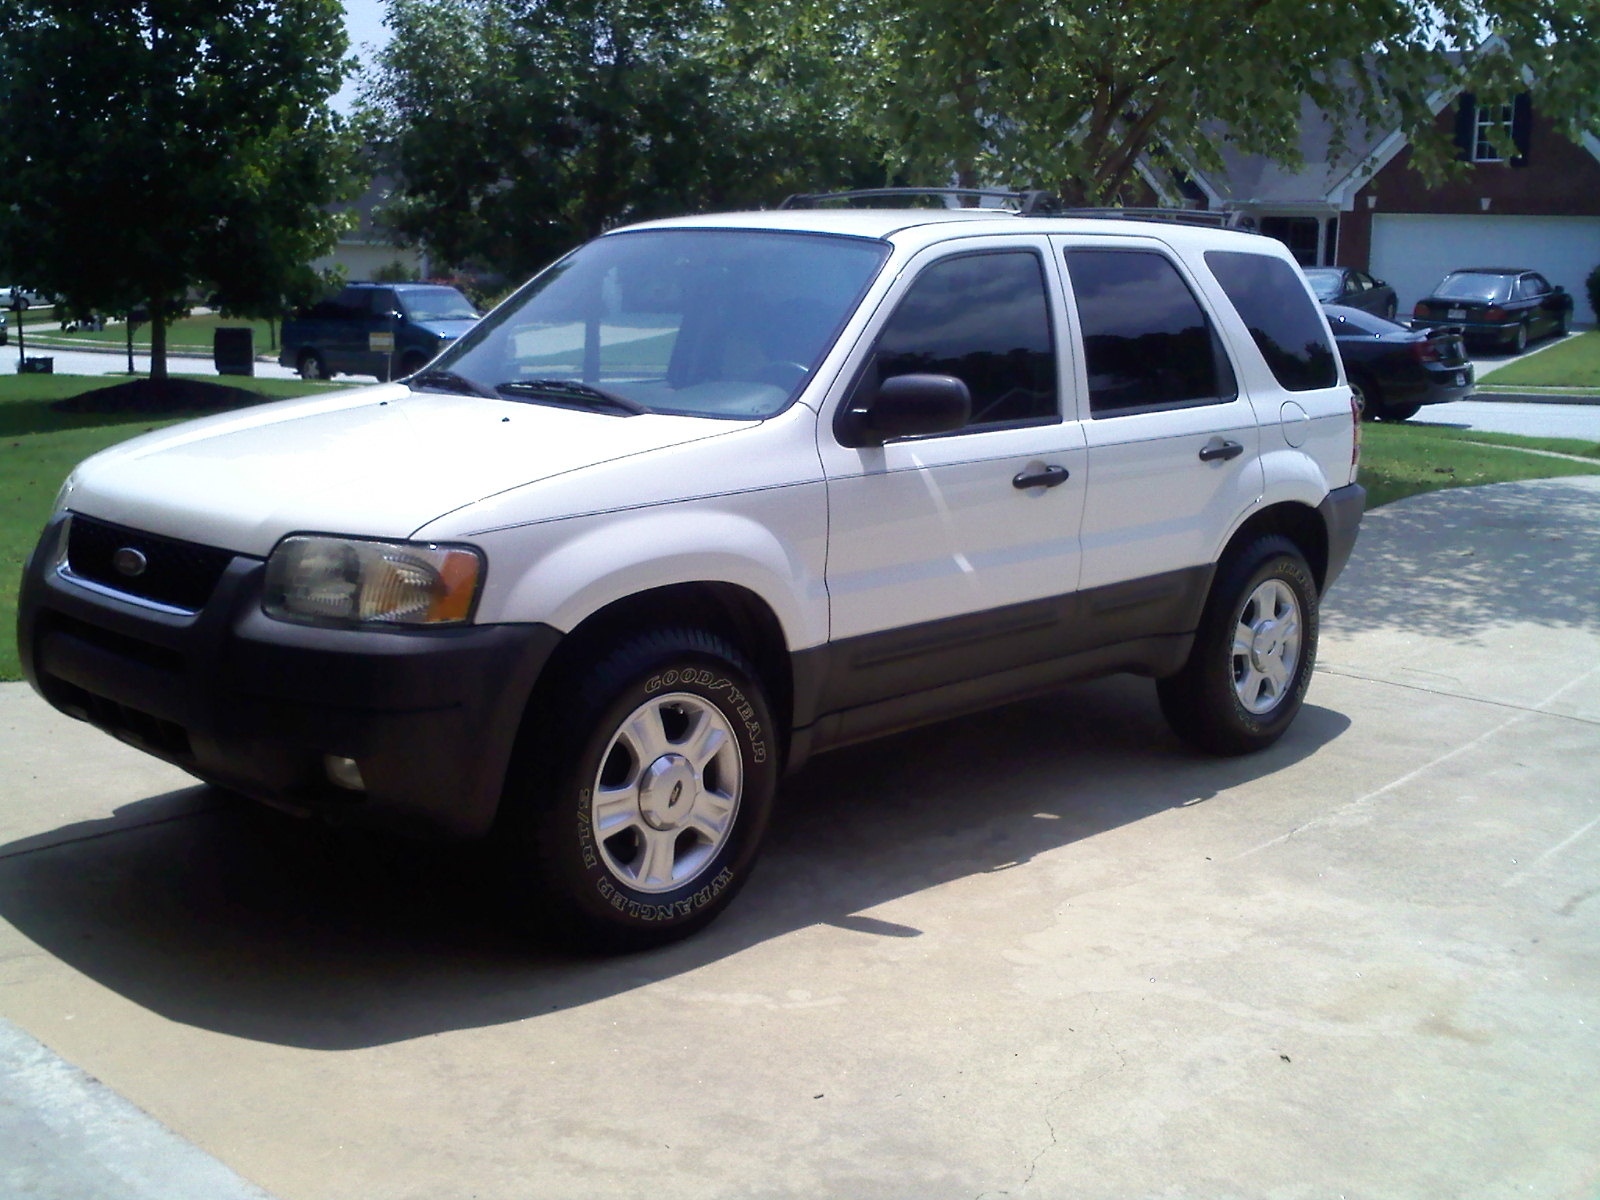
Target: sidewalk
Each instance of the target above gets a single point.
(1043, 951)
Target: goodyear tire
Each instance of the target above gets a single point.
(637, 810)
(1248, 671)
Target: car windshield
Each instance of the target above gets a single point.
(694, 322)
(437, 304)
(1325, 285)
(1473, 285)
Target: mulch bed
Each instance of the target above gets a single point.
(158, 396)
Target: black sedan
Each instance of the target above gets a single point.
(1351, 288)
(1393, 370)
(1505, 306)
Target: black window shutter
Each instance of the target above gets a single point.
(1521, 128)
(1466, 126)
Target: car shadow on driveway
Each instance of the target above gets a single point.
(212, 912)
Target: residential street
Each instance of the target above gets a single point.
(1041, 952)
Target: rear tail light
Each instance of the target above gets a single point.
(1495, 314)
(1425, 352)
(1419, 309)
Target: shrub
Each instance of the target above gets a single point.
(1594, 292)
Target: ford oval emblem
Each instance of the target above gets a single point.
(130, 562)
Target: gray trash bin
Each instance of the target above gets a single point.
(233, 349)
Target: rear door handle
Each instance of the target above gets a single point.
(1222, 450)
(1048, 477)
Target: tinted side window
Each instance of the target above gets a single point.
(983, 318)
(1146, 339)
(1281, 317)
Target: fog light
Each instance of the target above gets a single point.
(344, 772)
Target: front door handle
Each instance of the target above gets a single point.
(1048, 477)
(1222, 450)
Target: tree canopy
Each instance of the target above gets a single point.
(518, 128)
(154, 146)
(1072, 95)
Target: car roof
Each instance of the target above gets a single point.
(1492, 271)
(928, 225)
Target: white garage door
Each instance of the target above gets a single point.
(1413, 251)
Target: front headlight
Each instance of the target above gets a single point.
(316, 580)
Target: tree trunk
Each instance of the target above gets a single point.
(158, 340)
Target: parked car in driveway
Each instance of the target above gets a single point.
(1351, 288)
(706, 497)
(1503, 306)
(1393, 370)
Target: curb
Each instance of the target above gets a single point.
(1534, 397)
(64, 1135)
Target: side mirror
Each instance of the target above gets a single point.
(907, 406)
(1559, 290)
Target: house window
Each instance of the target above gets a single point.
(1491, 132)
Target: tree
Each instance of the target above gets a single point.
(1073, 95)
(154, 146)
(519, 128)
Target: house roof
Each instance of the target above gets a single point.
(1253, 178)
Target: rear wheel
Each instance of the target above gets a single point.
(311, 366)
(1366, 397)
(1251, 661)
(639, 801)
(1390, 309)
(1519, 339)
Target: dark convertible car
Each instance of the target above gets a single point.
(1508, 306)
(1351, 288)
(1393, 370)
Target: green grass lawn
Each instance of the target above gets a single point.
(1404, 460)
(1575, 363)
(39, 447)
(186, 333)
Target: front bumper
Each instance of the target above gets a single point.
(255, 704)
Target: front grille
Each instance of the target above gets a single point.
(181, 574)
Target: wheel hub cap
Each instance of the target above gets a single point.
(667, 791)
(1264, 646)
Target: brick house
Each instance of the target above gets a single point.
(1529, 198)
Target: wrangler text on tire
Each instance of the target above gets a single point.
(1253, 653)
(636, 808)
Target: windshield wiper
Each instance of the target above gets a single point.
(449, 381)
(570, 391)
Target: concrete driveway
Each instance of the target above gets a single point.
(1040, 952)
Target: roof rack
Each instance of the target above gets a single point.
(1023, 203)
(1219, 218)
(1028, 204)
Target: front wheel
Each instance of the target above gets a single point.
(1250, 665)
(643, 792)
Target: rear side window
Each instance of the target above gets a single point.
(1281, 317)
(983, 318)
(1146, 340)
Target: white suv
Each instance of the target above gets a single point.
(706, 497)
